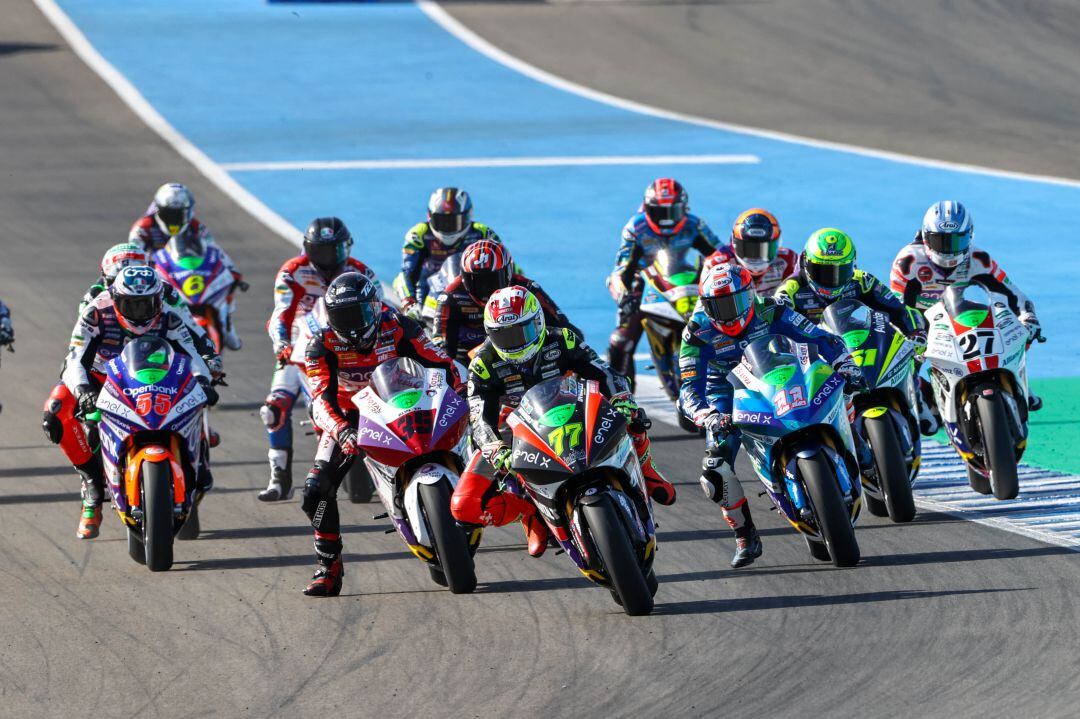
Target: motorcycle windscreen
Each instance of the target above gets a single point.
(188, 250)
(549, 435)
(400, 382)
(675, 267)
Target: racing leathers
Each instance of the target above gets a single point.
(706, 357)
(459, 318)
(97, 338)
(496, 387)
(782, 267)
(424, 254)
(7, 332)
(336, 371)
(797, 293)
(298, 286)
(146, 233)
(637, 251)
(920, 284)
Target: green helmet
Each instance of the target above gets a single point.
(829, 261)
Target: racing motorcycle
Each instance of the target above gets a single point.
(670, 297)
(151, 425)
(437, 283)
(790, 406)
(197, 272)
(573, 457)
(977, 351)
(884, 415)
(412, 429)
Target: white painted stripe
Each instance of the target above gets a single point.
(1048, 508)
(435, 163)
(470, 38)
(153, 119)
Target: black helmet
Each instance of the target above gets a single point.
(354, 309)
(327, 243)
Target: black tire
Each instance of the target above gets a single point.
(651, 582)
(620, 562)
(157, 494)
(833, 518)
(892, 468)
(451, 544)
(818, 550)
(978, 482)
(436, 575)
(136, 550)
(999, 450)
(686, 423)
(190, 530)
(358, 483)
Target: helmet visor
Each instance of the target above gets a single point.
(755, 248)
(666, 216)
(354, 321)
(832, 276)
(481, 283)
(138, 309)
(325, 255)
(447, 224)
(513, 340)
(175, 219)
(947, 243)
(728, 308)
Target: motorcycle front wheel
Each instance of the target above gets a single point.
(157, 515)
(451, 544)
(998, 446)
(617, 554)
(892, 468)
(834, 522)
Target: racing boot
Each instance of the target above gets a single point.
(280, 486)
(747, 546)
(536, 534)
(330, 569)
(1035, 402)
(661, 490)
(93, 494)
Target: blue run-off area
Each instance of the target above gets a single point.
(257, 82)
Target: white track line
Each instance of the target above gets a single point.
(431, 164)
(146, 112)
(479, 44)
(1048, 508)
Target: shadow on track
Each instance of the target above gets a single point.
(715, 606)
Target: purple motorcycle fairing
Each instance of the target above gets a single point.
(209, 289)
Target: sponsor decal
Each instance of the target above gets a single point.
(375, 435)
(536, 458)
(158, 389)
(925, 274)
(154, 451)
(827, 389)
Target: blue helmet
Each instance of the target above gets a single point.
(946, 233)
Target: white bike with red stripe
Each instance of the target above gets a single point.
(977, 352)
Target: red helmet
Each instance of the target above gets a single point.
(727, 296)
(665, 206)
(755, 240)
(485, 267)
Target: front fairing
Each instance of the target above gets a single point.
(200, 280)
(672, 281)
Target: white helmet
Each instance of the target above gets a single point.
(174, 207)
(117, 257)
(449, 214)
(946, 233)
(137, 296)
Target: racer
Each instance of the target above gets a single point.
(486, 266)
(943, 254)
(728, 317)
(755, 244)
(180, 250)
(521, 350)
(171, 213)
(827, 273)
(662, 221)
(7, 332)
(300, 282)
(133, 307)
(449, 230)
(360, 334)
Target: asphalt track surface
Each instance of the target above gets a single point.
(941, 618)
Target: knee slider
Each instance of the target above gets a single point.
(276, 410)
(53, 427)
(317, 488)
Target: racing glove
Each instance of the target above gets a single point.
(1031, 324)
(411, 308)
(7, 334)
(918, 338)
(345, 435)
(213, 363)
(500, 458)
(283, 351)
(717, 423)
(208, 389)
(624, 403)
(86, 400)
(845, 367)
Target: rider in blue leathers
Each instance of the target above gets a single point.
(728, 317)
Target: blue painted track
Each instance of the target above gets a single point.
(254, 82)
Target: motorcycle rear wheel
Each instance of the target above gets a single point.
(620, 562)
(892, 468)
(832, 515)
(157, 515)
(998, 446)
(451, 544)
